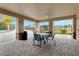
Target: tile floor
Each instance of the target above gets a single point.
(9, 46)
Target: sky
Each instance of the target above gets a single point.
(30, 23)
(43, 23)
(63, 22)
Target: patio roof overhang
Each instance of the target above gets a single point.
(59, 18)
(7, 12)
(40, 12)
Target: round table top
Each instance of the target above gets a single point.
(43, 34)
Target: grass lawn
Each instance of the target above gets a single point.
(59, 32)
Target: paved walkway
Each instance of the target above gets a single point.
(7, 37)
(64, 36)
(9, 46)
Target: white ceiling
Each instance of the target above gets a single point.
(41, 10)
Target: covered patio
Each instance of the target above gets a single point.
(12, 47)
(39, 13)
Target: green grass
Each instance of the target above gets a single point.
(59, 32)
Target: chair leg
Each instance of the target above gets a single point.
(54, 42)
(46, 39)
(40, 43)
(33, 41)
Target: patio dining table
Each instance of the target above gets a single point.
(44, 36)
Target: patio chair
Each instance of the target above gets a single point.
(37, 38)
(51, 37)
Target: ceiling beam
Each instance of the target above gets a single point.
(58, 18)
(10, 13)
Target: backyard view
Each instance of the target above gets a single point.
(7, 23)
(59, 27)
(63, 27)
(44, 26)
(29, 25)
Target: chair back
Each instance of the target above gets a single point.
(37, 37)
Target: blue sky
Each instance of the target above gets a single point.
(28, 23)
(63, 22)
(43, 23)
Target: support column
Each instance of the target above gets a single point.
(50, 26)
(74, 27)
(77, 28)
(37, 28)
(19, 27)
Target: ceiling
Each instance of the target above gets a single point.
(41, 11)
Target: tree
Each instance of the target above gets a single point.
(2, 26)
(66, 26)
(7, 20)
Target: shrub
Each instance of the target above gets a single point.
(63, 31)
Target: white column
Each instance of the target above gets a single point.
(51, 26)
(37, 27)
